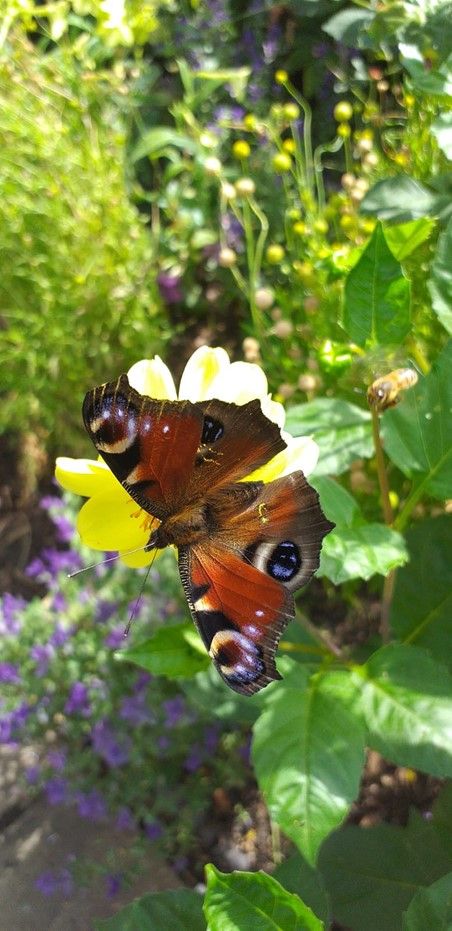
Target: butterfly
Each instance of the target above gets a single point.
(243, 546)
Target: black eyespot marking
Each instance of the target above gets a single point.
(284, 562)
(212, 431)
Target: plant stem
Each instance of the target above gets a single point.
(276, 842)
(388, 587)
(318, 172)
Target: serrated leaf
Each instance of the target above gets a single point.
(431, 907)
(377, 296)
(341, 430)
(372, 874)
(421, 609)
(254, 900)
(337, 503)
(404, 238)
(405, 698)
(399, 199)
(418, 433)
(174, 651)
(158, 911)
(308, 754)
(440, 283)
(360, 552)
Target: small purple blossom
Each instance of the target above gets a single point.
(233, 232)
(42, 654)
(91, 805)
(170, 287)
(11, 606)
(153, 830)
(115, 638)
(51, 503)
(56, 790)
(109, 746)
(57, 759)
(124, 819)
(194, 759)
(47, 567)
(174, 709)
(9, 674)
(61, 635)
(78, 702)
(163, 742)
(113, 884)
(135, 709)
(32, 774)
(59, 603)
(142, 680)
(105, 610)
(211, 738)
(55, 881)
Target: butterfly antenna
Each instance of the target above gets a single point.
(102, 562)
(134, 610)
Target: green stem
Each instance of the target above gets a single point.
(402, 518)
(333, 146)
(348, 155)
(419, 358)
(256, 315)
(381, 470)
(259, 250)
(307, 134)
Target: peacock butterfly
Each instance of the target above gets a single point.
(243, 546)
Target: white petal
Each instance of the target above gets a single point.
(202, 368)
(240, 383)
(302, 453)
(273, 410)
(153, 378)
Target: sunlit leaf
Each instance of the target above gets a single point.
(360, 552)
(377, 296)
(308, 754)
(440, 283)
(177, 910)
(254, 900)
(341, 430)
(404, 238)
(173, 651)
(421, 609)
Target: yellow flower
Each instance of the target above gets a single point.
(110, 519)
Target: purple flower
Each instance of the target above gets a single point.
(91, 805)
(105, 610)
(211, 738)
(35, 568)
(32, 774)
(42, 653)
(142, 680)
(134, 708)
(54, 881)
(169, 287)
(9, 674)
(115, 638)
(11, 606)
(61, 635)
(113, 883)
(113, 749)
(56, 790)
(51, 562)
(174, 709)
(78, 702)
(194, 759)
(50, 502)
(233, 231)
(153, 830)
(163, 742)
(124, 819)
(59, 603)
(64, 528)
(57, 759)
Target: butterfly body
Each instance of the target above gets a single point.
(243, 546)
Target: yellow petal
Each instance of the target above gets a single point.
(85, 476)
(152, 378)
(201, 370)
(240, 382)
(302, 453)
(137, 560)
(113, 522)
(273, 410)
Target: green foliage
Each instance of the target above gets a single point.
(77, 289)
(178, 910)
(240, 900)
(175, 652)
(431, 907)
(341, 430)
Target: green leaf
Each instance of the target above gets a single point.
(399, 199)
(372, 874)
(174, 651)
(338, 504)
(179, 910)
(405, 698)
(440, 284)
(418, 433)
(442, 131)
(431, 907)
(348, 25)
(341, 430)
(206, 691)
(254, 900)
(425, 80)
(360, 552)
(421, 608)
(404, 238)
(308, 754)
(377, 296)
(155, 142)
(296, 875)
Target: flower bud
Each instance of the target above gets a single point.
(212, 165)
(343, 111)
(251, 349)
(228, 190)
(283, 329)
(245, 187)
(282, 162)
(264, 298)
(274, 253)
(281, 76)
(227, 257)
(241, 149)
(291, 111)
(307, 382)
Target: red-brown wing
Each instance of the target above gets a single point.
(239, 612)
(238, 584)
(150, 446)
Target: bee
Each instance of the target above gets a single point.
(384, 392)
